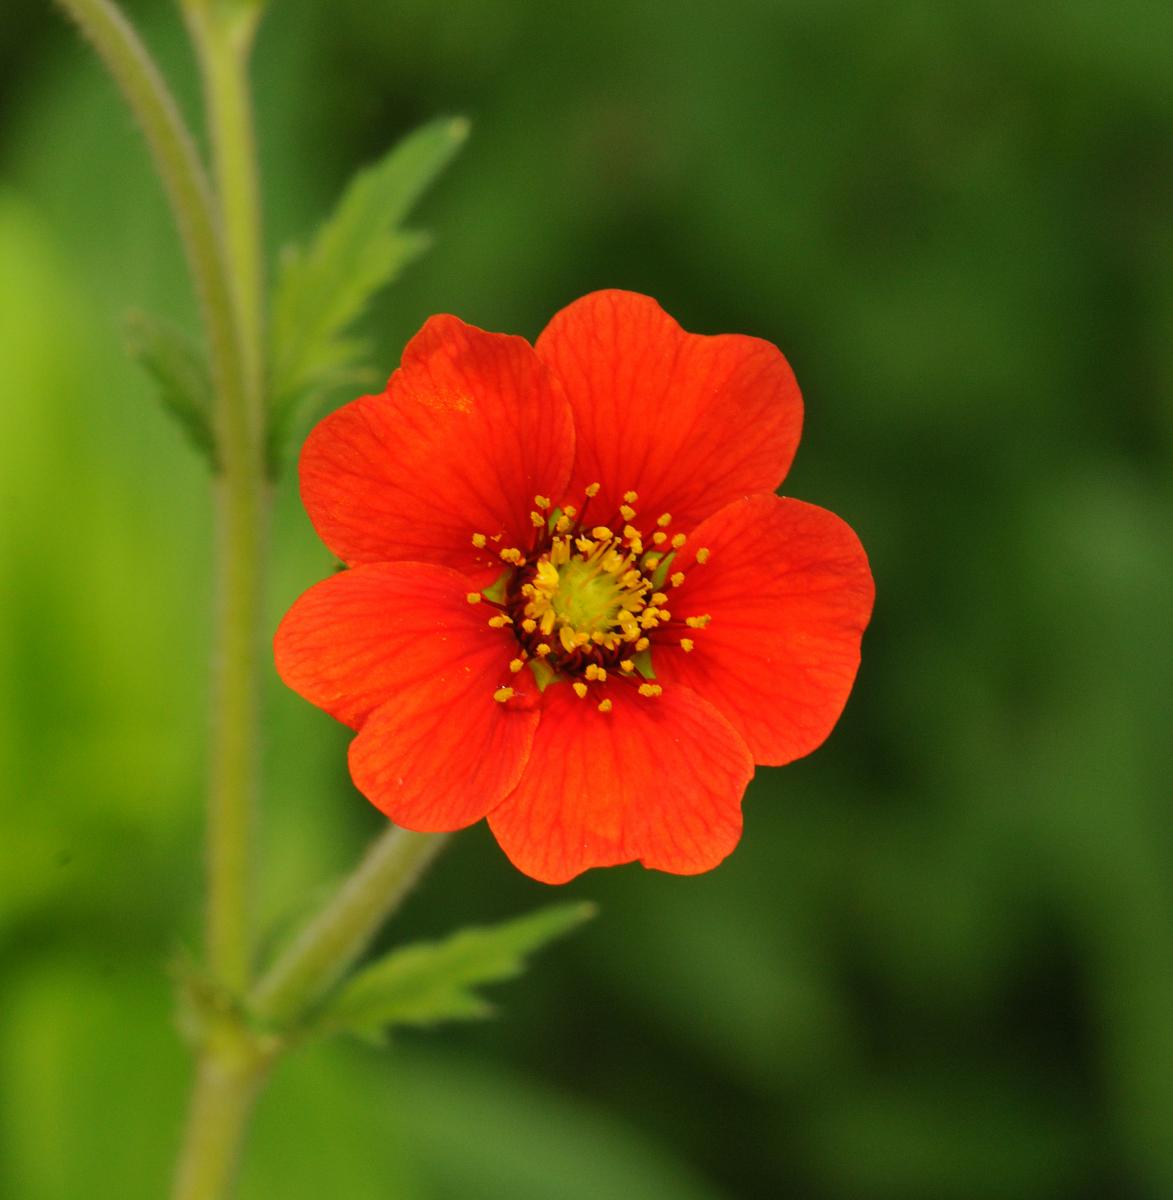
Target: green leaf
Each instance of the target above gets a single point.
(429, 982)
(359, 249)
(178, 366)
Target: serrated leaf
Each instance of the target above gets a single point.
(178, 366)
(429, 982)
(359, 249)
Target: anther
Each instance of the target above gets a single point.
(650, 689)
(702, 555)
(686, 644)
(529, 625)
(592, 489)
(631, 497)
(627, 666)
(500, 621)
(503, 694)
(580, 689)
(627, 512)
(698, 622)
(473, 597)
(664, 519)
(642, 644)
(604, 706)
(537, 520)
(678, 541)
(542, 501)
(479, 540)
(602, 533)
(659, 537)
(515, 665)
(511, 555)
(543, 650)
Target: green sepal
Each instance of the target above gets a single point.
(643, 663)
(496, 591)
(429, 982)
(543, 673)
(662, 569)
(179, 367)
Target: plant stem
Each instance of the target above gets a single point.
(183, 176)
(223, 43)
(221, 235)
(236, 1060)
(223, 40)
(227, 1085)
(337, 936)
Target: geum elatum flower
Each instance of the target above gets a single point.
(574, 604)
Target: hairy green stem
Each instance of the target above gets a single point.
(241, 495)
(230, 1076)
(174, 153)
(223, 39)
(221, 235)
(337, 936)
(236, 1060)
(223, 43)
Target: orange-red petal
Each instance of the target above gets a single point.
(656, 779)
(688, 422)
(397, 649)
(789, 590)
(470, 428)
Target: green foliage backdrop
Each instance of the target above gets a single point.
(941, 963)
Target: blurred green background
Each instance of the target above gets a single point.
(941, 963)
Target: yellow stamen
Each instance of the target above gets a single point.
(537, 520)
(515, 665)
(604, 706)
(503, 694)
(659, 537)
(542, 650)
(566, 637)
(602, 533)
(529, 625)
(676, 579)
(631, 497)
(592, 489)
(580, 689)
(698, 622)
(642, 644)
(678, 541)
(627, 512)
(511, 555)
(686, 644)
(664, 519)
(650, 689)
(627, 665)
(542, 501)
(479, 540)
(500, 621)
(473, 597)
(702, 555)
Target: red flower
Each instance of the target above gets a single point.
(574, 604)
